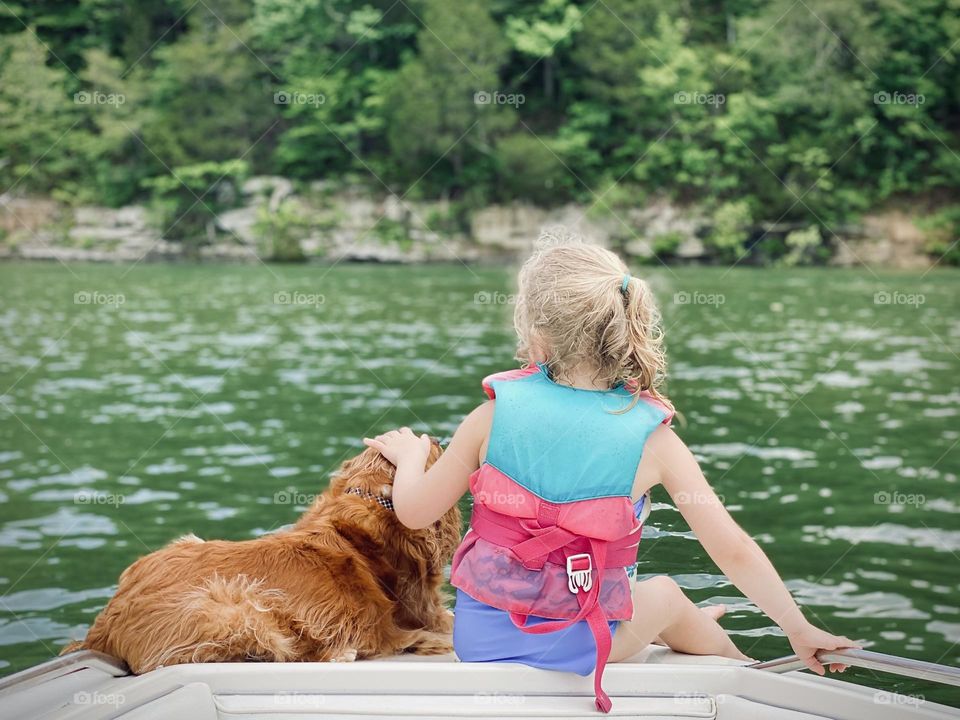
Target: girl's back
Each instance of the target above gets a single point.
(553, 461)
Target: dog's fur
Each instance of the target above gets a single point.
(347, 581)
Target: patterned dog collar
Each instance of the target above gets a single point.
(366, 494)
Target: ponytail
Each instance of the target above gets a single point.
(578, 303)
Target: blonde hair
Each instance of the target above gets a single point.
(571, 303)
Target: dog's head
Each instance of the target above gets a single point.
(360, 495)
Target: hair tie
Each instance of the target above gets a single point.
(625, 283)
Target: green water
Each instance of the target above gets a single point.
(162, 400)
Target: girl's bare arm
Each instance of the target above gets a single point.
(667, 460)
(421, 498)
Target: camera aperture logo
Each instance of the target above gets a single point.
(899, 298)
(498, 698)
(296, 297)
(86, 497)
(896, 498)
(299, 701)
(295, 97)
(99, 698)
(294, 497)
(500, 498)
(883, 697)
(699, 498)
(495, 97)
(698, 98)
(95, 297)
(896, 97)
(95, 97)
(485, 297)
(698, 298)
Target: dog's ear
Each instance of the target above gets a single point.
(368, 464)
(371, 462)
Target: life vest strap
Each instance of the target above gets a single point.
(592, 611)
(534, 546)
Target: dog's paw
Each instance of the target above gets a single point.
(431, 643)
(434, 648)
(348, 655)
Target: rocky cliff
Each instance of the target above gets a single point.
(275, 222)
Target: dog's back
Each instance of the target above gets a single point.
(181, 604)
(320, 591)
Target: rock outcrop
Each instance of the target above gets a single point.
(275, 221)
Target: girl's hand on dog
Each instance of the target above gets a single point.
(401, 447)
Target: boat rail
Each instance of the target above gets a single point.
(64, 664)
(906, 667)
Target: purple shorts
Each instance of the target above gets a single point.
(486, 634)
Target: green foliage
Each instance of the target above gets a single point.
(802, 246)
(942, 230)
(543, 32)
(117, 161)
(529, 167)
(393, 232)
(37, 116)
(186, 202)
(440, 130)
(280, 232)
(666, 245)
(210, 96)
(804, 114)
(731, 230)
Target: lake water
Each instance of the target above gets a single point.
(141, 404)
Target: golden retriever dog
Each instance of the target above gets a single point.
(348, 581)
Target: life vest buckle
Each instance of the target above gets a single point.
(579, 573)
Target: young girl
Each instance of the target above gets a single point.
(560, 461)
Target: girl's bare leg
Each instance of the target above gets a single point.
(711, 611)
(661, 609)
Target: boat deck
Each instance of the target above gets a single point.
(656, 683)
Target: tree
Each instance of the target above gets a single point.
(543, 33)
(211, 98)
(38, 118)
(445, 107)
